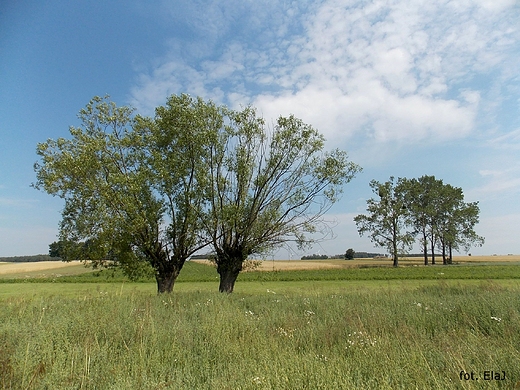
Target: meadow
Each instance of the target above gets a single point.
(438, 327)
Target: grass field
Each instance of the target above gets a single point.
(364, 328)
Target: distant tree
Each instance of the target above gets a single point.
(422, 197)
(438, 213)
(315, 257)
(349, 254)
(267, 188)
(456, 223)
(387, 219)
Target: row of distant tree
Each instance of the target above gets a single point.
(425, 210)
(349, 255)
(27, 259)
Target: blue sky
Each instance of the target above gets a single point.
(407, 87)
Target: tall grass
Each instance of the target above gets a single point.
(364, 339)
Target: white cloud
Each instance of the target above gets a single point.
(386, 71)
(500, 181)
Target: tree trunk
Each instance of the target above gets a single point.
(433, 252)
(166, 269)
(444, 261)
(165, 281)
(227, 281)
(395, 254)
(450, 259)
(425, 248)
(228, 267)
(394, 241)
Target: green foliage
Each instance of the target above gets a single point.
(28, 259)
(423, 337)
(267, 188)
(426, 207)
(440, 215)
(131, 186)
(349, 254)
(143, 192)
(387, 218)
(315, 257)
(101, 174)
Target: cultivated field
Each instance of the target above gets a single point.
(41, 269)
(46, 269)
(283, 265)
(365, 328)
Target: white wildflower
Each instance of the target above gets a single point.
(257, 380)
(322, 358)
(497, 319)
(285, 332)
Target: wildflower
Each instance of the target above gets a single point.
(322, 358)
(270, 291)
(257, 380)
(497, 319)
(285, 332)
(360, 339)
(309, 313)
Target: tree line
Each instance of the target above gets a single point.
(149, 192)
(28, 259)
(424, 209)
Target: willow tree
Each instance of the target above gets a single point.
(267, 188)
(130, 185)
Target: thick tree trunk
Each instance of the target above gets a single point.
(228, 267)
(444, 261)
(450, 259)
(227, 281)
(433, 252)
(165, 282)
(166, 270)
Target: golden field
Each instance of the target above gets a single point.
(285, 265)
(58, 268)
(42, 269)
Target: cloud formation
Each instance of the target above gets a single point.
(398, 71)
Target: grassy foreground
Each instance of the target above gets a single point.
(332, 336)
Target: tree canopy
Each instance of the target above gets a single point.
(147, 193)
(267, 187)
(387, 219)
(127, 194)
(425, 207)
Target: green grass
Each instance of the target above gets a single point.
(196, 272)
(331, 335)
(384, 328)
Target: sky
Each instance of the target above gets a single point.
(408, 88)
